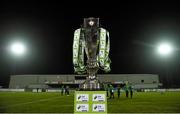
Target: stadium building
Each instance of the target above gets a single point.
(139, 81)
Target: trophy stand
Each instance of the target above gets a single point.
(91, 82)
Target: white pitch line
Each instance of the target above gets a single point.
(41, 100)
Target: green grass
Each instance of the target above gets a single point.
(55, 103)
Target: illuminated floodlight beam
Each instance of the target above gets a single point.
(165, 49)
(18, 48)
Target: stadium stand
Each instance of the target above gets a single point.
(139, 81)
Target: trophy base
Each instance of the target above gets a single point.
(91, 85)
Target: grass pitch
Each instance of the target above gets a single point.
(23, 102)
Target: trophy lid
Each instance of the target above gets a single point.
(91, 22)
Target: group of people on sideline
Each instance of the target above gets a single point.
(110, 90)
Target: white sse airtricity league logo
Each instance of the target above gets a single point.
(82, 97)
(82, 107)
(99, 97)
(98, 107)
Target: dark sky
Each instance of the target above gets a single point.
(47, 29)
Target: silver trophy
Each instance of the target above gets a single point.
(95, 41)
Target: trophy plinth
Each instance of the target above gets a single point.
(91, 85)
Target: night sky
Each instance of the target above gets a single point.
(136, 28)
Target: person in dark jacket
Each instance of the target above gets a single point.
(131, 91)
(62, 90)
(118, 91)
(127, 90)
(67, 90)
(111, 91)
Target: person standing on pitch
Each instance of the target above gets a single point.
(62, 90)
(131, 91)
(127, 90)
(118, 91)
(106, 88)
(107, 91)
(67, 90)
(111, 92)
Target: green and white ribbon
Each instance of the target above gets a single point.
(104, 47)
(78, 52)
(76, 46)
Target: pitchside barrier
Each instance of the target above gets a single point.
(72, 90)
(162, 90)
(12, 90)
